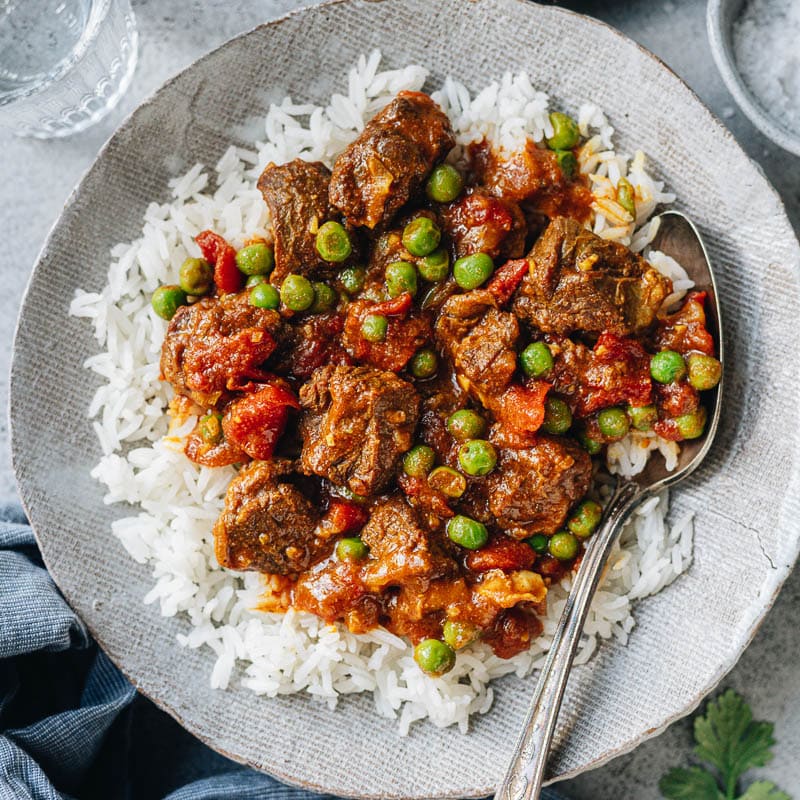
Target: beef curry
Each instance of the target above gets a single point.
(413, 371)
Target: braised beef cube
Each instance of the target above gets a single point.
(380, 171)
(616, 371)
(580, 282)
(479, 339)
(400, 547)
(481, 223)
(297, 197)
(216, 345)
(357, 422)
(532, 489)
(267, 525)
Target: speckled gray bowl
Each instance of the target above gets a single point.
(746, 497)
(720, 17)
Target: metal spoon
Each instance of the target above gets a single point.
(677, 237)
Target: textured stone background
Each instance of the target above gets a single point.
(38, 176)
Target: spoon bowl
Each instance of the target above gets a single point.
(677, 237)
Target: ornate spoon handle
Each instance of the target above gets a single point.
(523, 780)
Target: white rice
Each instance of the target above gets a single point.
(143, 463)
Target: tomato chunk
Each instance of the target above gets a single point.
(218, 252)
(502, 552)
(256, 422)
(520, 409)
(344, 517)
(505, 281)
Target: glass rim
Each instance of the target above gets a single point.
(97, 14)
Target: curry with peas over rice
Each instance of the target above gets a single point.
(414, 371)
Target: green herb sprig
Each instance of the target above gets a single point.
(731, 742)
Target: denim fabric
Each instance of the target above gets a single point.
(71, 726)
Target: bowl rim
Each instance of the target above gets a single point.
(719, 38)
(750, 627)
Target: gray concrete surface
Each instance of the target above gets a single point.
(38, 176)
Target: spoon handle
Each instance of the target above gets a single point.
(525, 774)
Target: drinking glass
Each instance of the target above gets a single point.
(64, 64)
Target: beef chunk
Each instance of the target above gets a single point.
(580, 282)
(400, 547)
(297, 197)
(358, 421)
(216, 345)
(533, 488)
(479, 339)
(615, 371)
(378, 173)
(479, 222)
(266, 525)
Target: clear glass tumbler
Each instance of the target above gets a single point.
(64, 64)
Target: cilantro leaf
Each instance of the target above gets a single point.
(764, 790)
(728, 738)
(693, 784)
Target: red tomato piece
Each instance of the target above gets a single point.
(505, 281)
(502, 552)
(521, 408)
(256, 421)
(218, 252)
(344, 517)
(395, 307)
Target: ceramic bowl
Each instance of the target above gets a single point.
(745, 498)
(720, 17)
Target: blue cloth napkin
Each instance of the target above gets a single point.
(71, 726)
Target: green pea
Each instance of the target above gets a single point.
(536, 360)
(353, 279)
(419, 461)
(565, 132)
(585, 518)
(567, 161)
(667, 366)
(374, 327)
(557, 416)
(472, 271)
(421, 236)
(705, 372)
(444, 184)
(563, 546)
(256, 259)
(447, 481)
(351, 549)
(538, 543)
(325, 298)
(434, 658)
(333, 242)
(591, 446)
(196, 276)
(436, 266)
(626, 196)
(255, 280)
(459, 634)
(465, 424)
(167, 299)
(424, 363)
(477, 457)
(401, 277)
(210, 428)
(263, 295)
(467, 532)
(297, 293)
(692, 425)
(643, 417)
(613, 423)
